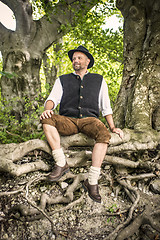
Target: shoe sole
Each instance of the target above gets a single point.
(86, 190)
(56, 179)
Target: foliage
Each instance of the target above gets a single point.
(10, 129)
(106, 45)
(29, 128)
(113, 208)
(90, 31)
(43, 7)
(8, 74)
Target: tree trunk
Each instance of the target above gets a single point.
(138, 102)
(51, 67)
(22, 50)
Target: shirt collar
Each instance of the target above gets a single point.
(77, 74)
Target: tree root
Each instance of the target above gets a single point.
(119, 227)
(11, 153)
(150, 216)
(11, 192)
(50, 200)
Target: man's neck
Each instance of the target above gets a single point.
(81, 73)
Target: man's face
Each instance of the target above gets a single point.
(80, 61)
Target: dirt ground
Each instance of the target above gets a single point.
(86, 221)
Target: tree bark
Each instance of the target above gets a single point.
(138, 101)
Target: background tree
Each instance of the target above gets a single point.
(138, 103)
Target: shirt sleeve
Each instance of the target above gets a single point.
(104, 101)
(56, 93)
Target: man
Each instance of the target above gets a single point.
(81, 95)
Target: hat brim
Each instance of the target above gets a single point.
(71, 52)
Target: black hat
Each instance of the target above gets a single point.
(83, 50)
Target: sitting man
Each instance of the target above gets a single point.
(81, 95)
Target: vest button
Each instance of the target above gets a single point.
(81, 86)
(79, 107)
(81, 115)
(81, 97)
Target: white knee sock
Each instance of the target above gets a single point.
(59, 157)
(93, 176)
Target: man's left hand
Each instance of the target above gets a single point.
(118, 131)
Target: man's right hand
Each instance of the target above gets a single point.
(46, 114)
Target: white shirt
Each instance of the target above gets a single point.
(104, 101)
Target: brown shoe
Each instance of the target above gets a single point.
(93, 191)
(57, 172)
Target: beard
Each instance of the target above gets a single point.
(77, 67)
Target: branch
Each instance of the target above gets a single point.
(23, 14)
(63, 13)
(4, 34)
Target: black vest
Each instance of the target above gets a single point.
(80, 97)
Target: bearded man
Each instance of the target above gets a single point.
(82, 96)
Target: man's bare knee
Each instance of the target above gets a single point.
(47, 127)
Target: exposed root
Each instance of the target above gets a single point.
(11, 192)
(132, 141)
(50, 200)
(55, 232)
(11, 153)
(114, 234)
(148, 216)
